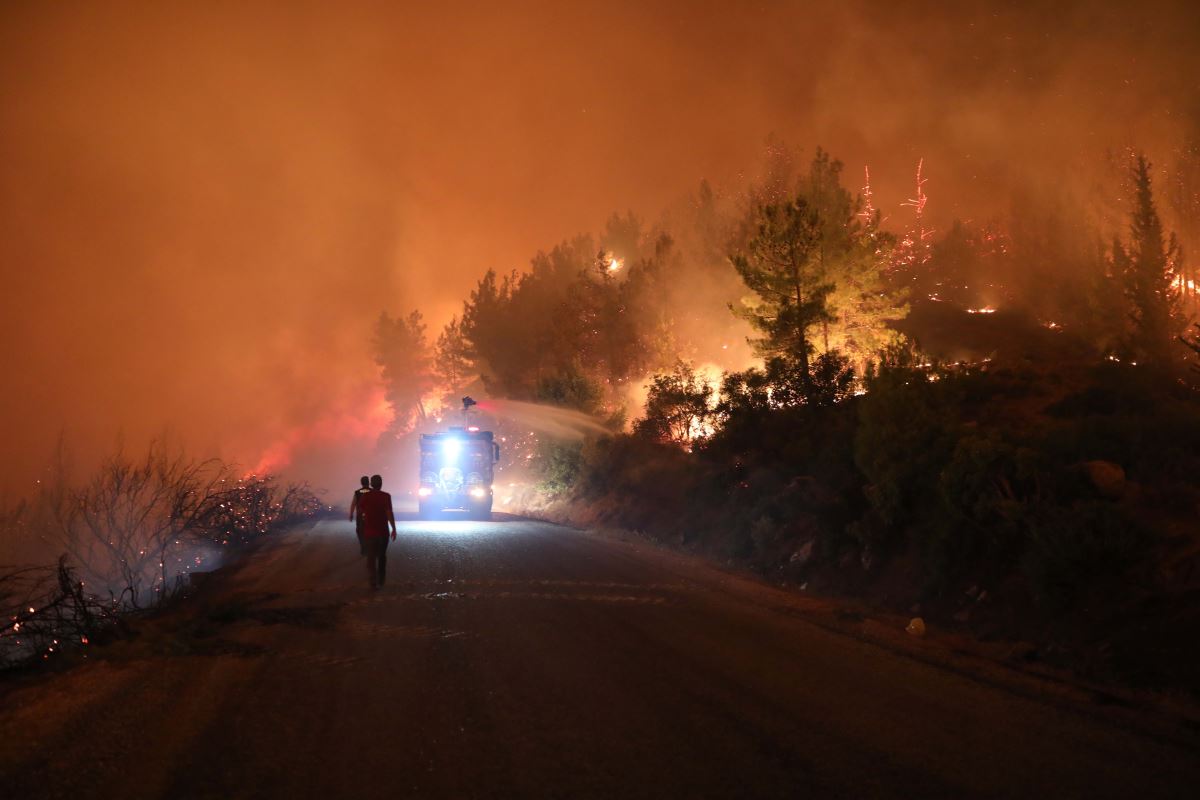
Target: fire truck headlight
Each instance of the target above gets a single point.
(478, 492)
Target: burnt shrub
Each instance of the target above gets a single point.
(238, 511)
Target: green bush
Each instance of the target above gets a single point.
(984, 489)
(1077, 549)
(907, 427)
(677, 406)
(643, 484)
(559, 464)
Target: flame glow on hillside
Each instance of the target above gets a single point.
(337, 427)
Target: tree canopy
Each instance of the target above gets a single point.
(817, 265)
(1146, 268)
(405, 366)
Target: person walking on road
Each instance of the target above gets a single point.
(375, 510)
(354, 507)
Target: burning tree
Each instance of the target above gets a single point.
(854, 255)
(913, 250)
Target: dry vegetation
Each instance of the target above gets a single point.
(129, 537)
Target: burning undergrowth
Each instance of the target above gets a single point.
(131, 537)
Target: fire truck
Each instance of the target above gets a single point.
(457, 471)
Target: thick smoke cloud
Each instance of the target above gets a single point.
(204, 206)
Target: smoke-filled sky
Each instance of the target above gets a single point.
(203, 206)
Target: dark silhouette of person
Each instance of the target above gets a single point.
(375, 509)
(358, 520)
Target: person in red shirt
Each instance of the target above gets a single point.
(375, 511)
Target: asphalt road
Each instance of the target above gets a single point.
(520, 659)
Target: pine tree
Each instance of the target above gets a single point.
(821, 260)
(402, 354)
(1147, 269)
(1104, 321)
(451, 366)
(854, 256)
(782, 267)
(501, 335)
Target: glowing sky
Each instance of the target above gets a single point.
(204, 205)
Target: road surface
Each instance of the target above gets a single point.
(520, 659)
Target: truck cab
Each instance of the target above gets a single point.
(457, 469)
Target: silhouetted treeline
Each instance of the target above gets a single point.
(811, 272)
